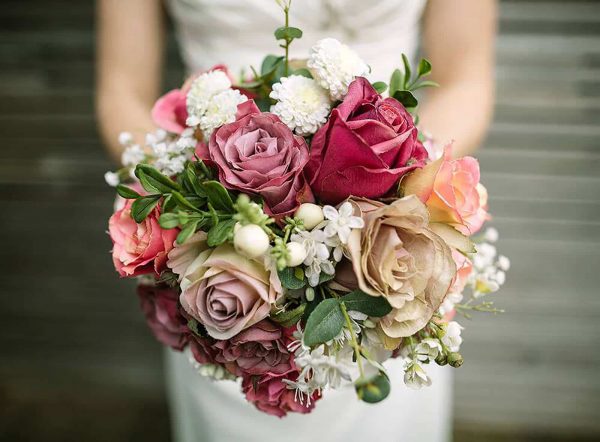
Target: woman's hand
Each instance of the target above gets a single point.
(129, 67)
(459, 41)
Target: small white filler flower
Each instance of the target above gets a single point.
(341, 221)
(302, 104)
(335, 66)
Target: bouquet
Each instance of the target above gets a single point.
(294, 229)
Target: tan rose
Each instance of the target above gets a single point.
(397, 255)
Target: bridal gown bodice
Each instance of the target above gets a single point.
(239, 33)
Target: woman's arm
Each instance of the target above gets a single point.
(129, 67)
(459, 41)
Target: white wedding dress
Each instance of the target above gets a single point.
(239, 33)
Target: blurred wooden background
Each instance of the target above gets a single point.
(76, 360)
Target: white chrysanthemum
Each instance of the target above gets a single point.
(203, 88)
(302, 104)
(221, 110)
(335, 66)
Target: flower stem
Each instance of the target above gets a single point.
(354, 341)
(286, 10)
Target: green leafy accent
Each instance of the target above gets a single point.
(168, 220)
(324, 323)
(380, 87)
(359, 301)
(424, 67)
(142, 207)
(218, 196)
(270, 64)
(126, 192)
(287, 33)
(407, 99)
(289, 317)
(154, 181)
(396, 82)
(290, 279)
(220, 233)
(303, 72)
(373, 390)
(188, 230)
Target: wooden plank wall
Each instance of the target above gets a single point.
(74, 346)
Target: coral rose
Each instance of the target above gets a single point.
(451, 191)
(161, 309)
(139, 248)
(258, 350)
(367, 144)
(226, 292)
(398, 257)
(258, 154)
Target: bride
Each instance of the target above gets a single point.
(457, 37)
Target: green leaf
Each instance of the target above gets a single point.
(188, 230)
(127, 192)
(407, 71)
(142, 207)
(183, 202)
(359, 301)
(287, 33)
(220, 232)
(154, 181)
(324, 323)
(290, 280)
(218, 196)
(424, 67)
(407, 99)
(168, 220)
(374, 389)
(193, 181)
(197, 328)
(396, 82)
(270, 65)
(168, 204)
(426, 83)
(380, 87)
(289, 317)
(303, 72)
(324, 277)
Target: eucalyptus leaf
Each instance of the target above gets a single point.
(289, 317)
(374, 389)
(220, 232)
(287, 33)
(126, 192)
(359, 301)
(324, 323)
(380, 87)
(270, 64)
(188, 230)
(289, 279)
(303, 72)
(407, 99)
(142, 207)
(218, 196)
(424, 67)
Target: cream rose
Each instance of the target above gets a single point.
(397, 256)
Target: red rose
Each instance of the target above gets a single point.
(368, 143)
(259, 154)
(160, 307)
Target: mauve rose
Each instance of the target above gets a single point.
(367, 145)
(451, 190)
(396, 255)
(258, 350)
(226, 292)
(139, 248)
(202, 349)
(272, 396)
(259, 154)
(161, 309)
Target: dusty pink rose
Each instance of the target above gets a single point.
(259, 154)
(451, 191)
(226, 292)
(396, 255)
(160, 305)
(272, 396)
(368, 143)
(258, 350)
(139, 248)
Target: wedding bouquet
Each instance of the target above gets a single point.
(294, 229)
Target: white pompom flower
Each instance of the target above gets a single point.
(302, 104)
(335, 66)
(221, 110)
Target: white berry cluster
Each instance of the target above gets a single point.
(334, 66)
(302, 104)
(211, 102)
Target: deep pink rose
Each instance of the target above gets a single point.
(139, 248)
(170, 111)
(259, 154)
(160, 305)
(367, 145)
(202, 349)
(258, 350)
(272, 396)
